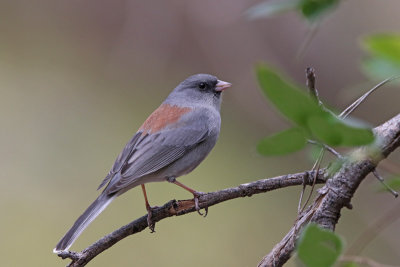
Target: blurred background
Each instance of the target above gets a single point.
(77, 78)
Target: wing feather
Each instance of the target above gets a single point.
(125, 154)
(156, 151)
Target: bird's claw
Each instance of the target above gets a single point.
(196, 196)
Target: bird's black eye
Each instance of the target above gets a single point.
(202, 85)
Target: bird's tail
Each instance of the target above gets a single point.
(83, 221)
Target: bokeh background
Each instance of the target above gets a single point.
(77, 78)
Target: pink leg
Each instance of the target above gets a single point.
(149, 211)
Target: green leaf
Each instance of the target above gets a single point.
(324, 130)
(379, 68)
(287, 98)
(313, 9)
(270, 8)
(318, 247)
(283, 142)
(386, 46)
(353, 136)
(334, 132)
(299, 107)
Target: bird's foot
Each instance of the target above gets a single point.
(196, 196)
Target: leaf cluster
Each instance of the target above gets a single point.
(311, 120)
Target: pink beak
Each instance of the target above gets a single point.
(221, 86)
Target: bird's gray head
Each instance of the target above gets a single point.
(199, 89)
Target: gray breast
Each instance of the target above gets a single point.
(197, 154)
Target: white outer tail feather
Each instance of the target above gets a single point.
(78, 229)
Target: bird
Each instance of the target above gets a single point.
(171, 142)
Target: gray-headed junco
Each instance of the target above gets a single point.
(172, 141)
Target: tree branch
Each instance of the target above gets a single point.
(181, 207)
(338, 191)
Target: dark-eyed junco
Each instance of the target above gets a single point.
(172, 141)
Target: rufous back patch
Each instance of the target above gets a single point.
(162, 117)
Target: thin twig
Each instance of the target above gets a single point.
(301, 197)
(306, 42)
(362, 98)
(330, 149)
(181, 207)
(316, 168)
(310, 82)
(380, 178)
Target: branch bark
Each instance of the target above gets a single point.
(181, 207)
(338, 191)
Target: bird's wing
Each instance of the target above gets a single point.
(122, 158)
(155, 151)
